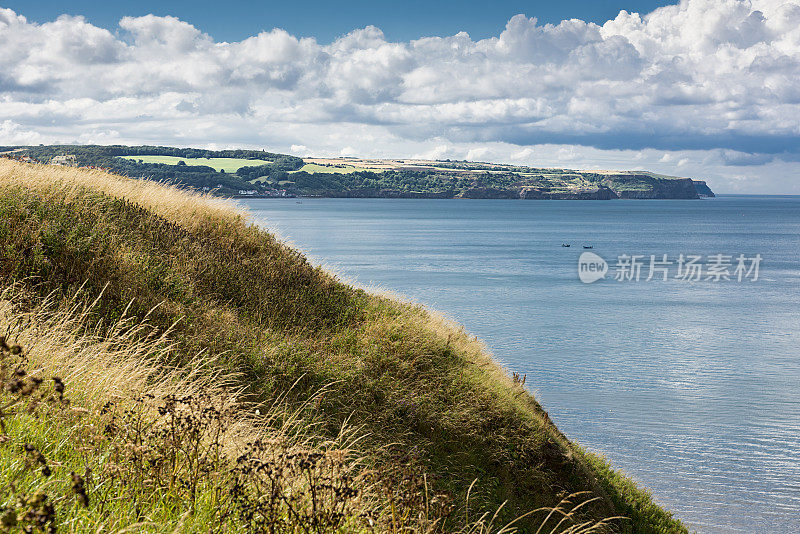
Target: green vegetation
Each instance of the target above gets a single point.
(226, 172)
(183, 456)
(157, 450)
(230, 165)
(180, 298)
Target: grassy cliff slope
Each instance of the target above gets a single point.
(227, 299)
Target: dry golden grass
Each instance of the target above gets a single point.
(123, 369)
(119, 365)
(188, 209)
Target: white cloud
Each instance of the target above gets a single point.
(299, 150)
(702, 81)
(12, 134)
(477, 154)
(435, 152)
(523, 156)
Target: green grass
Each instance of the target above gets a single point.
(423, 394)
(229, 165)
(327, 169)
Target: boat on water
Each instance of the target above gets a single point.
(588, 246)
(565, 244)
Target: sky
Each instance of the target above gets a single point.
(326, 20)
(706, 88)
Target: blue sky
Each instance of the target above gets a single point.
(702, 88)
(234, 20)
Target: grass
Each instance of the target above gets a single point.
(229, 165)
(233, 304)
(120, 443)
(134, 445)
(328, 169)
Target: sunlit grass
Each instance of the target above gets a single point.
(64, 184)
(130, 445)
(219, 164)
(327, 169)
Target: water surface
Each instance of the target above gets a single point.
(692, 389)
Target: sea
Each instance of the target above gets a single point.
(671, 346)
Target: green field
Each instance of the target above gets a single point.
(223, 164)
(313, 167)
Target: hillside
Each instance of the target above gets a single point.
(260, 173)
(287, 400)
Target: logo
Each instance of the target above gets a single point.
(591, 267)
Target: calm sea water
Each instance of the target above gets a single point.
(692, 389)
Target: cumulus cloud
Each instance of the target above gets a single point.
(717, 78)
(13, 134)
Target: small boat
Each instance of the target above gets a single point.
(588, 246)
(564, 244)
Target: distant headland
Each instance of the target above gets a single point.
(257, 173)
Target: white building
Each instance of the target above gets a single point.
(67, 160)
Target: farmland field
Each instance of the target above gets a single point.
(330, 169)
(224, 164)
(336, 168)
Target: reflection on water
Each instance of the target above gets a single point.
(690, 388)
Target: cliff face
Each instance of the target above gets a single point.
(601, 193)
(635, 185)
(648, 186)
(369, 192)
(702, 188)
(489, 192)
(630, 186)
